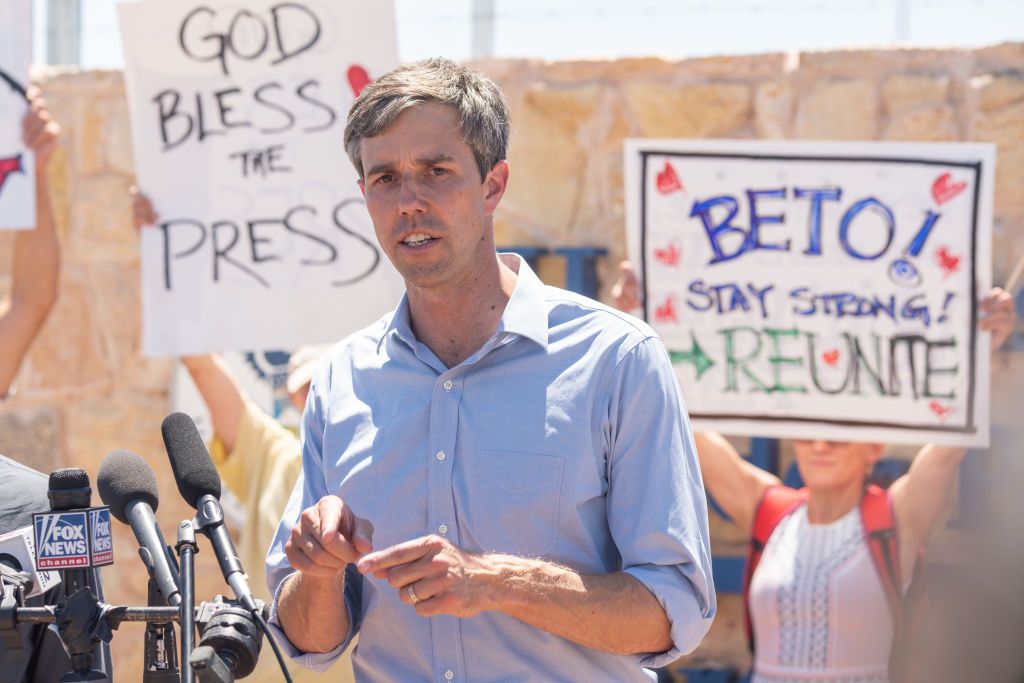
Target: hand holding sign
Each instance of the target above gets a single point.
(39, 131)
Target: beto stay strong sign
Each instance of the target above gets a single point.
(819, 290)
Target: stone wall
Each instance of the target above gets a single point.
(85, 390)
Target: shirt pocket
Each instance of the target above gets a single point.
(517, 501)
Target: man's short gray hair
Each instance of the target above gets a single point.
(483, 112)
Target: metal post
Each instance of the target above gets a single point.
(902, 26)
(64, 32)
(482, 21)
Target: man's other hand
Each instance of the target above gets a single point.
(328, 537)
(435, 576)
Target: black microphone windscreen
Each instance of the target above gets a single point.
(193, 470)
(125, 477)
(69, 489)
(69, 478)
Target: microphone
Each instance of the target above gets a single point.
(199, 484)
(69, 490)
(75, 538)
(127, 485)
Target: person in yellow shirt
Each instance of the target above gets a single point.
(259, 460)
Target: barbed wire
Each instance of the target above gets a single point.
(702, 7)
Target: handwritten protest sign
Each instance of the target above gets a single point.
(17, 164)
(824, 290)
(237, 114)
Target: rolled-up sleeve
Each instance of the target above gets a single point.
(309, 488)
(657, 510)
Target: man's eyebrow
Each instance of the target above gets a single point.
(389, 167)
(386, 167)
(434, 160)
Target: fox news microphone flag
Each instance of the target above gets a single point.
(73, 539)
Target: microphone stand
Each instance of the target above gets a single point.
(187, 549)
(160, 663)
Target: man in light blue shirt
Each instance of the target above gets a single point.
(499, 481)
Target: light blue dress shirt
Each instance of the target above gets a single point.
(564, 438)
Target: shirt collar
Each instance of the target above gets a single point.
(526, 313)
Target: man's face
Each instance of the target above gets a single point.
(835, 464)
(431, 211)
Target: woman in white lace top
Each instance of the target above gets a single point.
(818, 605)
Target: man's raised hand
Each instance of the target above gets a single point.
(328, 537)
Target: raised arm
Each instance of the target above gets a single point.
(919, 496)
(221, 394)
(36, 253)
(735, 484)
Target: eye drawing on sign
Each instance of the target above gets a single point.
(10, 163)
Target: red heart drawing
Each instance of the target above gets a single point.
(8, 166)
(666, 313)
(668, 181)
(941, 411)
(947, 262)
(357, 78)
(831, 357)
(669, 255)
(944, 189)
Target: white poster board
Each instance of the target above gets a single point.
(237, 112)
(17, 164)
(819, 290)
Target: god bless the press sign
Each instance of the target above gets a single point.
(237, 116)
(819, 289)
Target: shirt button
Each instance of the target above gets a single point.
(440, 456)
(443, 529)
(448, 385)
(449, 675)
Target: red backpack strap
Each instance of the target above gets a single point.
(880, 532)
(777, 503)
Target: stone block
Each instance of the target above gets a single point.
(89, 137)
(118, 319)
(31, 435)
(907, 91)
(103, 216)
(118, 154)
(991, 91)
(857, 63)
(773, 109)
(547, 152)
(1005, 128)
(999, 57)
(689, 111)
(67, 356)
(838, 109)
(924, 124)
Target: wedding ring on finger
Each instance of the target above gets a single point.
(411, 592)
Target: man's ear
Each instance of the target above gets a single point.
(362, 187)
(494, 185)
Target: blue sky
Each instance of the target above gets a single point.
(566, 29)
